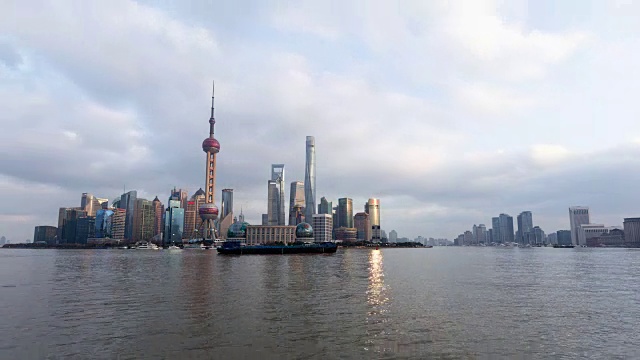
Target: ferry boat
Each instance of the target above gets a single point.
(146, 246)
(237, 248)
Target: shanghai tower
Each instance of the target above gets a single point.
(310, 180)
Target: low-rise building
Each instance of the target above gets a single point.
(268, 234)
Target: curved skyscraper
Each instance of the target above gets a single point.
(310, 180)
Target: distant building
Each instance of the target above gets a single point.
(537, 236)
(296, 202)
(181, 195)
(344, 213)
(479, 234)
(44, 233)
(265, 219)
(118, 220)
(310, 179)
(158, 211)
(506, 228)
(68, 223)
(266, 234)
(226, 211)
(362, 224)
(468, 238)
(92, 204)
(578, 215)
(346, 234)
(525, 226)
(143, 220)
(322, 227)
(128, 202)
(174, 223)
(85, 229)
(495, 230)
(192, 219)
(325, 206)
(632, 231)
(103, 223)
(277, 176)
(564, 237)
(589, 231)
(552, 238)
(615, 237)
(393, 236)
(373, 209)
(273, 196)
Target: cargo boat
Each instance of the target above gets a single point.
(236, 248)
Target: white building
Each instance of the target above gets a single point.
(578, 215)
(261, 234)
(393, 236)
(322, 227)
(589, 231)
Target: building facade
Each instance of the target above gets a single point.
(393, 236)
(525, 226)
(506, 229)
(174, 223)
(322, 227)
(158, 211)
(344, 213)
(104, 219)
(632, 231)
(267, 234)
(373, 209)
(128, 202)
(45, 234)
(345, 234)
(310, 179)
(296, 202)
(362, 224)
(578, 215)
(143, 220)
(277, 201)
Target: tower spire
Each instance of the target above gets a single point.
(212, 120)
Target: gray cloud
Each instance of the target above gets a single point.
(117, 94)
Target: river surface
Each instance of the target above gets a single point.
(440, 303)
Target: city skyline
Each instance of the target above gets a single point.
(435, 140)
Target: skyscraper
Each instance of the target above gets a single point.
(273, 197)
(373, 209)
(91, 204)
(277, 175)
(158, 210)
(325, 207)
(632, 231)
(226, 208)
(506, 228)
(322, 227)
(143, 220)
(104, 220)
(45, 234)
(495, 230)
(174, 223)
(362, 224)
(393, 236)
(525, 226)
(310, 179)
(345, 213)
(209, 211)
(296, 201)
(128, 202)
(578, 215)
(180, 195)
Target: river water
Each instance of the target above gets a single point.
(440, 303)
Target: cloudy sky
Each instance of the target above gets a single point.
(450, 112)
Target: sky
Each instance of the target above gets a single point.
(449, 112)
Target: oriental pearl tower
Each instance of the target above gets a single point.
(209, 211)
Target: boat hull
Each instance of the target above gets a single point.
(278, 250)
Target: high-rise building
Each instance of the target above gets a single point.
(537, 236)
(578, 215)
(322, 227)
(277, 176)
(158, 211)
(45, 234)
(344, 213)
(118, 220)
(226, 219)
(393, 236)
(479, 234)
(265, 219)
(372, 208)
(310, 179)
(325, 206)
(91, 204)
(85, 229)
(104, 220)
(128, 202)
(68, 223)
(506, 228)
(495, 233)
(525, 226)
(174, 223)
(209, 211)
(143, 220)
(273, 196)
(296, 201)
(564, 237)
(632, 231)
(362, 224)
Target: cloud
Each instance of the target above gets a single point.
(449, 112)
